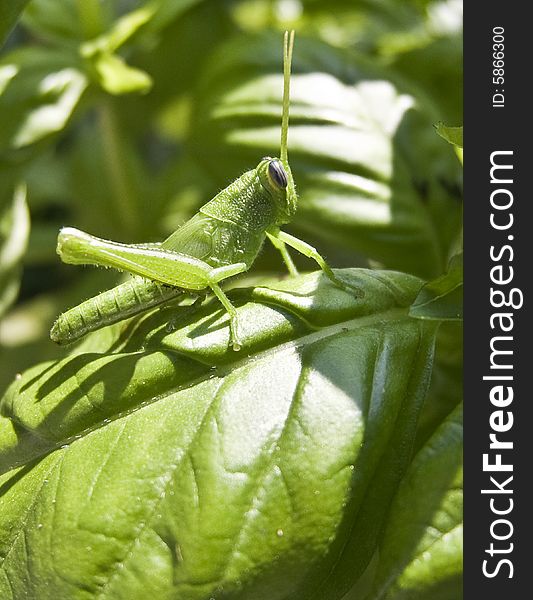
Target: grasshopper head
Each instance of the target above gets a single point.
(276, 178)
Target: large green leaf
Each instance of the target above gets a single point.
(154, 462)
(422, 547)
(371, 174)
(446, 389)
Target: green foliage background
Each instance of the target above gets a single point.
(335, 472)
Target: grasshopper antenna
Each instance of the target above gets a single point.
(288, 44)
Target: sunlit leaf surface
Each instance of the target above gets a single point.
(221, 470)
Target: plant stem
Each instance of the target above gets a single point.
(122, 193)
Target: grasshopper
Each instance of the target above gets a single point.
(220, 241)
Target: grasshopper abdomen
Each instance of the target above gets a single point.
(121, 302)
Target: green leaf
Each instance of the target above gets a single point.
(442, 298)
(446, 389)
(14, 230)
(421, 550)
(9, 13)
(453, 135)
(156, 462)
(370, 173)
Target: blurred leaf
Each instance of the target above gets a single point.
(14, 229)
(121, 32)
(9, 13)
(68, 22)
(7, 72)
(57, 21)
(442, 298)
(367, 25)
(116, 77)
(370, 174)
(454, 135)
(59, 93)
(173, 466)
(421, 551)
(170, 61)
(445, 17)
(168, 10)
(108, 178)
(151, 17)
(435, 69)
(40, 98)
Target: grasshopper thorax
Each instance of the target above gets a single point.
(276, 177)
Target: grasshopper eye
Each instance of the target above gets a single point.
(277, 173)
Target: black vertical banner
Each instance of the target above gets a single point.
(498, 336)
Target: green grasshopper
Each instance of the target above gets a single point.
(221, 240)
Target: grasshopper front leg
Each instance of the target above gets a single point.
(279, 239)
(155, 263)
